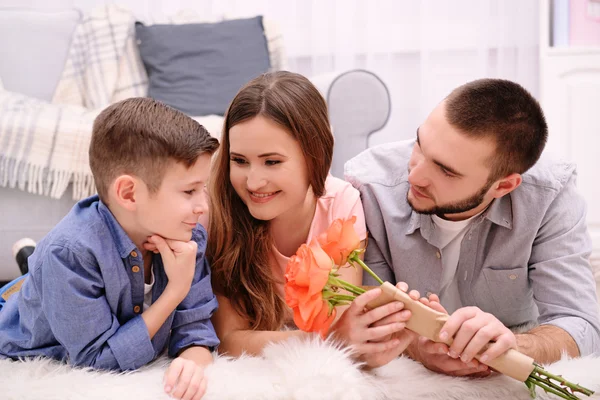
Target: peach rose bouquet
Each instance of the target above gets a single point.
(313, 290)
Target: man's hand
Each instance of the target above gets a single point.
(179, 259)
(472, 330)
(434, 356)
(374, 343)
(184, 379)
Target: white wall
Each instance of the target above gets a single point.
(421, 49)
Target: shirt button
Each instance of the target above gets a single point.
(512, 277)
(428, 294)
(136, 309)
(135, 269)
(438, 254)
(133, 254)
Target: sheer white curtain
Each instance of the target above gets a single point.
(421, 49)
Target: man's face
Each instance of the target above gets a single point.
(448, 171)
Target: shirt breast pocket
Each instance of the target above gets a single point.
(511, 294)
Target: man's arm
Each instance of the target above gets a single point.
(562, 281)
(540, 343)
(563, 288)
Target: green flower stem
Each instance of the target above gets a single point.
(355, 259)
(329, 295)
(574, 387)
(545, 380)
(549, 388)
(333, 281)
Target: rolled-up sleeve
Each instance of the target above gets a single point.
(191, 322)
(560, 271)
(74, 301)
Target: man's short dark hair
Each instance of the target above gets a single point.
(505, 112)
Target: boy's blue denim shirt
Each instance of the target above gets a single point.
(82, 302)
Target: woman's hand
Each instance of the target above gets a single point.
(375, 343)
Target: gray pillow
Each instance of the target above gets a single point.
(198, 68)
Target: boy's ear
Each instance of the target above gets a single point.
(124, 190)
(507, 184)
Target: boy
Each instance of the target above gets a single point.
(97, 295)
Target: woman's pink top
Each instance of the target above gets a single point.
(340, 200)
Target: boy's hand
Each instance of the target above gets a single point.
(179, 259)
(184, 379)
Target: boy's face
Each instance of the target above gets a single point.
(173, 211)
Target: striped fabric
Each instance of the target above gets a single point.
(44, 146)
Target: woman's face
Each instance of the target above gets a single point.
(267, 168)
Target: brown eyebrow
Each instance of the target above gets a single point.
(438, 163)
(270, 155)
(260, 155)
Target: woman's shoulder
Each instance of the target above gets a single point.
(340, 201)
(338, 188)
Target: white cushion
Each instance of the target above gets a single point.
(212, 123)
(34, 45)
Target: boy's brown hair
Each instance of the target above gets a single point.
(141, 136)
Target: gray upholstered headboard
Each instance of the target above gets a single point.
(359, 105)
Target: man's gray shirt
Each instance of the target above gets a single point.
(525, 259)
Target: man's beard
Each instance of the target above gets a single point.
(459, 206)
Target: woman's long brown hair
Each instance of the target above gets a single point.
(239, 245)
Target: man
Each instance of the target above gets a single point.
(468, 212)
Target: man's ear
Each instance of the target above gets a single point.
(506, 185)
(125, 188)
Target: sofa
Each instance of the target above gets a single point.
(33, 68)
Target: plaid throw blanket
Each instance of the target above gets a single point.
(43, 146)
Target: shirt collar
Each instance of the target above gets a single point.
(414, 224)
(500, 212)
(123, 242)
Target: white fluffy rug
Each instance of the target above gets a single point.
(293, 370)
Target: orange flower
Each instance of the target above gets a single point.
(340, 240)
(306, 275)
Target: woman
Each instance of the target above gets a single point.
(271, 192)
